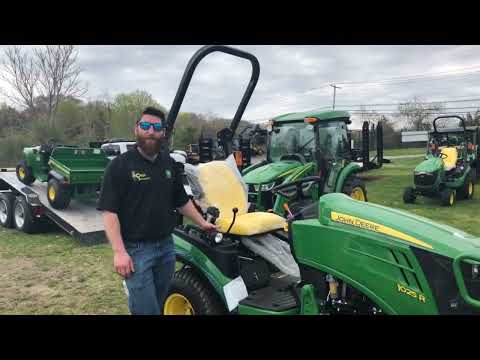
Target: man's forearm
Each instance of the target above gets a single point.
(190, 211)
(112, 230)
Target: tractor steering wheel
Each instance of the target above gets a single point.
(295, 156)
(294, 190)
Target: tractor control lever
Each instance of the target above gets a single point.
(212, 214)
(235, 210)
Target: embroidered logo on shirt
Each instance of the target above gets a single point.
(139, 176)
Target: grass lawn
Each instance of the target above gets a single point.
(400, 152)
(52, 273)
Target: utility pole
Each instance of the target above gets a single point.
(335, 87)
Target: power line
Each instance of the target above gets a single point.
(406, 102)
(411, 77)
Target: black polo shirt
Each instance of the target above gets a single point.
(144, 194)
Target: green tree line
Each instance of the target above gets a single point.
(78, 122)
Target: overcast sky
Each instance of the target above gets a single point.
(292, 78)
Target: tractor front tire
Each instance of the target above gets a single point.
(25, 173)
(23, 219)
(409, 196)
(468, 188)
(190, 294)
(58, 196)
(6, 209)
(355, 188)
(448, 197)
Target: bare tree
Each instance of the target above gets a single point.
(49, 73)
(59, 74)
(417, 113)
(22, 74)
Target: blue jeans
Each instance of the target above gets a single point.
(154, 264)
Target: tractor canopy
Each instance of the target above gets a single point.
(320, 115)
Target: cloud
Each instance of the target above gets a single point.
(292, 78)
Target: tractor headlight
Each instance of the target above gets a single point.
(218, 238)
(267, 187)
(475, 271)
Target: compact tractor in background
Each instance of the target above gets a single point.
(351, 257)
(449, 171)
(300, 145)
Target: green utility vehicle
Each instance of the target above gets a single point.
(69, 171)
(300, 145)
(450, 168)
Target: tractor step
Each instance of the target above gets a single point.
(277, 296)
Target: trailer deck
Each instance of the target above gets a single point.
(81, 219)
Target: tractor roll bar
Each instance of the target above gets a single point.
(446, 117)
(187, 77)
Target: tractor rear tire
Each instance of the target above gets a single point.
(409, 196)
(6, 209)
(58, 196)
(23, 219)
(190, 294)
(25, 173)
(355, 188)
(468, 188)
(474, 175)
(448, 197)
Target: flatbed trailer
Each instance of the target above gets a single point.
(81, 219)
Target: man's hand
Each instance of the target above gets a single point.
(123, 264)
(206, 226)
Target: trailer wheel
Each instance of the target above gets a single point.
(25, 173)
(23, 219)
(6, 206)
(190, 294)
(355, 188)
(58, 196)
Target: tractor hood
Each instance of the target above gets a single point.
(270, 172)
(340, 210)
(430, 165)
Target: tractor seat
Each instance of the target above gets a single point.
(450, 161)
(47, 149)
(223, 188)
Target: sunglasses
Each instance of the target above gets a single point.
(145, 125)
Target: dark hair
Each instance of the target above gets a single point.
(154, 112)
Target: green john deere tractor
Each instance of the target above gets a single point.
(450, 167)
(69, 171)
(353, 257)
(336, 256)
(300, 145)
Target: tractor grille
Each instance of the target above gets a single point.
(438, 271)
(425, 179)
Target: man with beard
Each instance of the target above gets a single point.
(141, 190)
